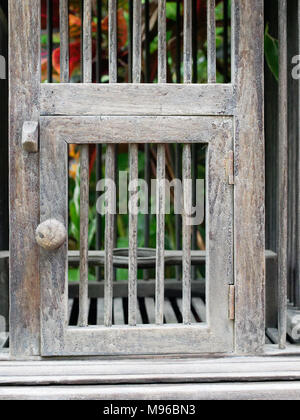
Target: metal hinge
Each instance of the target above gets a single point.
(231, 302)
(230, 167)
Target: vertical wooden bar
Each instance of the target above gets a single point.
(133, 226)
(178, 41)
(49, 40)
(282, 241)
(109, 238)
(297, 283)
(249, 213)
(162, 42)
(24, 70)
(87, 41)
(130, 39)
(137, 41)
(147, 41)
(178, 220)
(161, 175)
(160, 234)
(133, 170)
(84, 174)
(186, 234)
(113, 41)
(64, 40)
(84, 232)
(195, 42)
(110, 165)
(187, 42)
(186, 172)
(211, 42)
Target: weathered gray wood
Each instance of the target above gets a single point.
(169, 313)
(186, 234)
(87, 41)
(200, 308)
(170, 99)
(118, 312)
(113, 41)
(4, 291)
(187, 42)
(282, 176)
(293, 324)
(100, 311)
(133, 234)
(150, 308)
(225, 391)
(137, 41)
(132, 129)
(297, 288)
(109, 237)
(211, 42)
(160, 233)
(162, 42)
(53, 264)
(64, 40)
(248, 35)
(24, 70)
(157, 370)
(30, 136)
(84, 233)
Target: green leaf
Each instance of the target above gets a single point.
(271, 53)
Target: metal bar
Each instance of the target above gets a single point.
(186, 234)
(160, 233)
(64, 41)
(113, 41)
(282, 176)
(133, 226)
(50, 40)
(109, 237)
(211, 42)
(99, 42)
(84, 232)
(187, 42)
(162, 42)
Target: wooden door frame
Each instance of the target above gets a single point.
(249, 223)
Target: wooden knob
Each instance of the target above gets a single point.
(51, 234)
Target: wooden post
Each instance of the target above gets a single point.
(248, 30)
(24, 71)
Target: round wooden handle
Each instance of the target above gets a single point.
(51, 234)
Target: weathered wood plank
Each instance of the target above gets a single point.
(169, 313)
(162, 42)
(137, 41)
(211, 42)
(150, 308)
(187, 42)
(282, 239)
(248, 29)
(134, 99)
(133, 234)
(118, 312)
(100, 310)
(160, 233)
(225, 391)
(84, 233)
(24, 70)
(113, 42)
(186, 234)
(132, 129)
(64, 40)
(109, 237)
(87, 41)
(200, 308)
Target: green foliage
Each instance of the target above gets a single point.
(271, 53)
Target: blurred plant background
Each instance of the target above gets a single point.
(149, 75)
